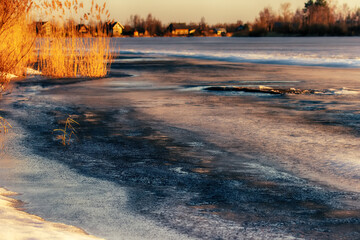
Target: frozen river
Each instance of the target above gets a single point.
(180, 142)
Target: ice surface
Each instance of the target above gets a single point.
(285, 51)
(158, 161)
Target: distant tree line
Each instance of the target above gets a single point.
(316, 18)
(151, 26)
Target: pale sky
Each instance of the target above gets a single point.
(214, 11)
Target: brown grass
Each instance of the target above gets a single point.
(65, 53)
(4, 128)
(67, 132)
(16, 39)
(63, 57)
(16, 42)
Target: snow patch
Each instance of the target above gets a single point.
(8, 76)
(31, 71)
(16, 224)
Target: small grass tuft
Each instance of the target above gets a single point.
(4, 125)
(4, 128)
(66, 134)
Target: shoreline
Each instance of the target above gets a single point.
(18, 224)
(16, 221)
(65, 203)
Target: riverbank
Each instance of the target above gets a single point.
(60, 194)
(18, 225)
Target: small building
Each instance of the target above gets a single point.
(178, 29)
(245, 27)
(192, 30)
(240, 28)
(43, 28)
(220, 31)
(82, 29)
(114, 29)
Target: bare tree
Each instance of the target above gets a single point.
(203, 25)
(318, 12)
(285, 12)
(267, 18)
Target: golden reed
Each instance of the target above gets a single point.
(64, 51)
(16, 39)
(67, 132)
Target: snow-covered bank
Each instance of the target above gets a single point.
(28, 71)
(16, 224)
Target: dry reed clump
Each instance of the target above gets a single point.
(63, 57)
(67, 53)
(4, 125)
(4, 128)
(16, 44)
(68, 132)
(95, 62)
(16, 39)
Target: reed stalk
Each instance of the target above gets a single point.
(69, 131)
